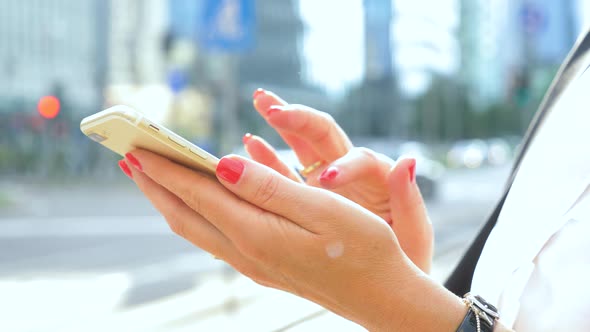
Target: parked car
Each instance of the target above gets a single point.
(428, 170)
(499, 152)
(467, 153)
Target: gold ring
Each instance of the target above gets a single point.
(307, 170)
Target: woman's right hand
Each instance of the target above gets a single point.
(376, 182)
(304, 240)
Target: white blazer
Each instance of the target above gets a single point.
(535, 265)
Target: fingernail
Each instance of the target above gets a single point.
(329, 174)
(274, 109)
(134, 162)
(258, 93)
(246, 138)
(230, 170)
(412, 170)
(125, 168)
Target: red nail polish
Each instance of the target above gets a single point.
(412, 170)
(274, 109)
(125, 168)
(246, 138)
(329, 174)
(230, 170)
(258, 93)
(134, 162)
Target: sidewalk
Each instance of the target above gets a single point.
(218, 300)
(78, 199)
(221, 301)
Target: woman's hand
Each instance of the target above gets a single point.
(301, 239)
(370, 179)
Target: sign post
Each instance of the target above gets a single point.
(227, 28)
(227, 25)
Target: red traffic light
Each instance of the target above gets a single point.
(48, 107)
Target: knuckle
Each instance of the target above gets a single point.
(262, 281)
(191, 196)
(244, 268)
(256, 274)
(176, 225)
(367, 154)
(320, 124)
(194, 200)
(174, 219)
(329, 124)
(254, 252)
(267, 190)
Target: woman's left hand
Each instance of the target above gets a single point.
(293, 237)
(371, 179)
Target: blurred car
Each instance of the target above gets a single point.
(499, 152)
(477, 153)
(428, 170)
(468, 153)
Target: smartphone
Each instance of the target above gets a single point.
(122, 129)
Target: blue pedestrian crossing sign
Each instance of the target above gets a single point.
(228, 25)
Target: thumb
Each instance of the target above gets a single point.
(408, 212)
(265, 188)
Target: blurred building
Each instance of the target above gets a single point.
(375, 113)
(549, 28)
(333, 49)
(582, 14)
(507, 44)
(378, 45)
(489, 47)
(136, 34)
(50, 47)
(425, 42)
(136, 72)
(368, 109)
(275, 59)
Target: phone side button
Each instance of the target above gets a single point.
(199, 153)
(177, 141)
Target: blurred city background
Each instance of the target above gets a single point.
(452, 82)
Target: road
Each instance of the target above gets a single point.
(102, 254)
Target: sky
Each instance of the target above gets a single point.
(422, 36)
(333, 43)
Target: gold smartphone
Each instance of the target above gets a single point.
(122, 129)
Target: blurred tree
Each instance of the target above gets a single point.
(369, 109)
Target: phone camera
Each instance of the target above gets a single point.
(97, 137)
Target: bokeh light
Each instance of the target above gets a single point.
(48, 107)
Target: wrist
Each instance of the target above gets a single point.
(421, 305)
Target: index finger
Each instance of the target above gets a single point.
(316, 128)
(301, 135)
(263, 101)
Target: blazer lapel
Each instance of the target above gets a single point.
(460, 279)
(566, 74)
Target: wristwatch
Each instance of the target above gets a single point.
(481, 316)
